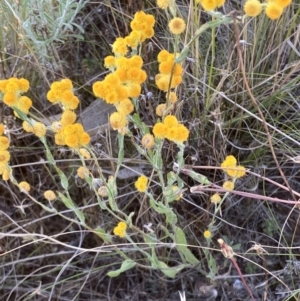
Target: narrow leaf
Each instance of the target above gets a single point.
(126, 265)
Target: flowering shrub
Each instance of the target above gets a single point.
(122, 88)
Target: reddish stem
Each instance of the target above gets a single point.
(242, 277)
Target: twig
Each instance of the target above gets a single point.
(228, 253)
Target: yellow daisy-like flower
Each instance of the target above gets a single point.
(171, 97)
(207, 234)
(10, 99)
(82, 172)
(27, 127)
(170, 121)
(160, 109)
(117, 120)
(229, 166)
(273, 10)
(23, 85)
(39, 129)
(162, 81)
(23, 104)
(134, 39)
(165, 55)
(110, 62)
(98, 89)
(171, 133)
(4, 143)
(12, 86)
(229, 162)
(176, 80)
(120, 229)
(215, 198)
(177, 70)
(166, 67)
(6, 173)
(177, 25)
(125, 107)
(69, 101)
(136, 75)
(237, 172)
(24, 186)
(141, 184)
(148, 141)
(252, 8)
(68, 117)
(84, 139)
(72, 141)
(159, 130)
(163, 4)
(229, 185)
(147, 33)
(49, 195)
(3, 84)
(102, 191)
(4, 157)
(66, 84)
(135, 61)
(182, 134)
(209, 5)
(119, 47)
(52, 96)
(134, 90)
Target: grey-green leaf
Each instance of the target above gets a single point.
(126, 265)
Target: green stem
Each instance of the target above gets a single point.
(213, 49)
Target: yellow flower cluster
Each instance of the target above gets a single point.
(142, 24)
(229, 166)
(72, 135)
(4, 155)
(38, 128)
(170, 74)
(124, 82)
(209, 5)
(119, 86)
(12, 90)
(62, 93)
(142, 29)
(141, 183)
(120, 229)
(67, 132)
(171, 129)
(273, 8)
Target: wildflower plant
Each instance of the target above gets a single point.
(122, 87)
